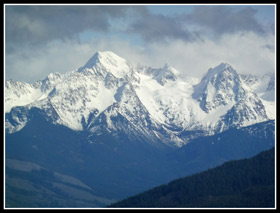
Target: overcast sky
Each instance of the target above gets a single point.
(41, 39)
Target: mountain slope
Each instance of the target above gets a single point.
(243, 183)
(30, 185)
(263, 85)
(120, 167)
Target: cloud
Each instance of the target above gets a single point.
(41, 24)
(192, 42)
(33, 24)
(204, 22)
(222, 20)
(157, 27)
(246, 53)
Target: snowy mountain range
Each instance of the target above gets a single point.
(110, 96)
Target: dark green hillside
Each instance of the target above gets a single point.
(242, 183)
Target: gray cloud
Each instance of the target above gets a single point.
(269, 47)
(158, 27)
(54, 33)
(202, 23)
(40, 24)
(223, 20)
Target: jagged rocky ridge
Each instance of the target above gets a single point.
(109, 96)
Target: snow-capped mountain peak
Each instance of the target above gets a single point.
(221, 75)
(168, 67)
(107, 61)
(165, 74)
(219, 87)
(161, 75)
(221, 68)
(105, 57)
(49, 82)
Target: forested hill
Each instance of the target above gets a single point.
(242, 183)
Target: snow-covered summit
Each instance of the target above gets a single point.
(107, 61)
(223, 67)
(219, 87)
(165, 74)
(49, 82)
(161, 75)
